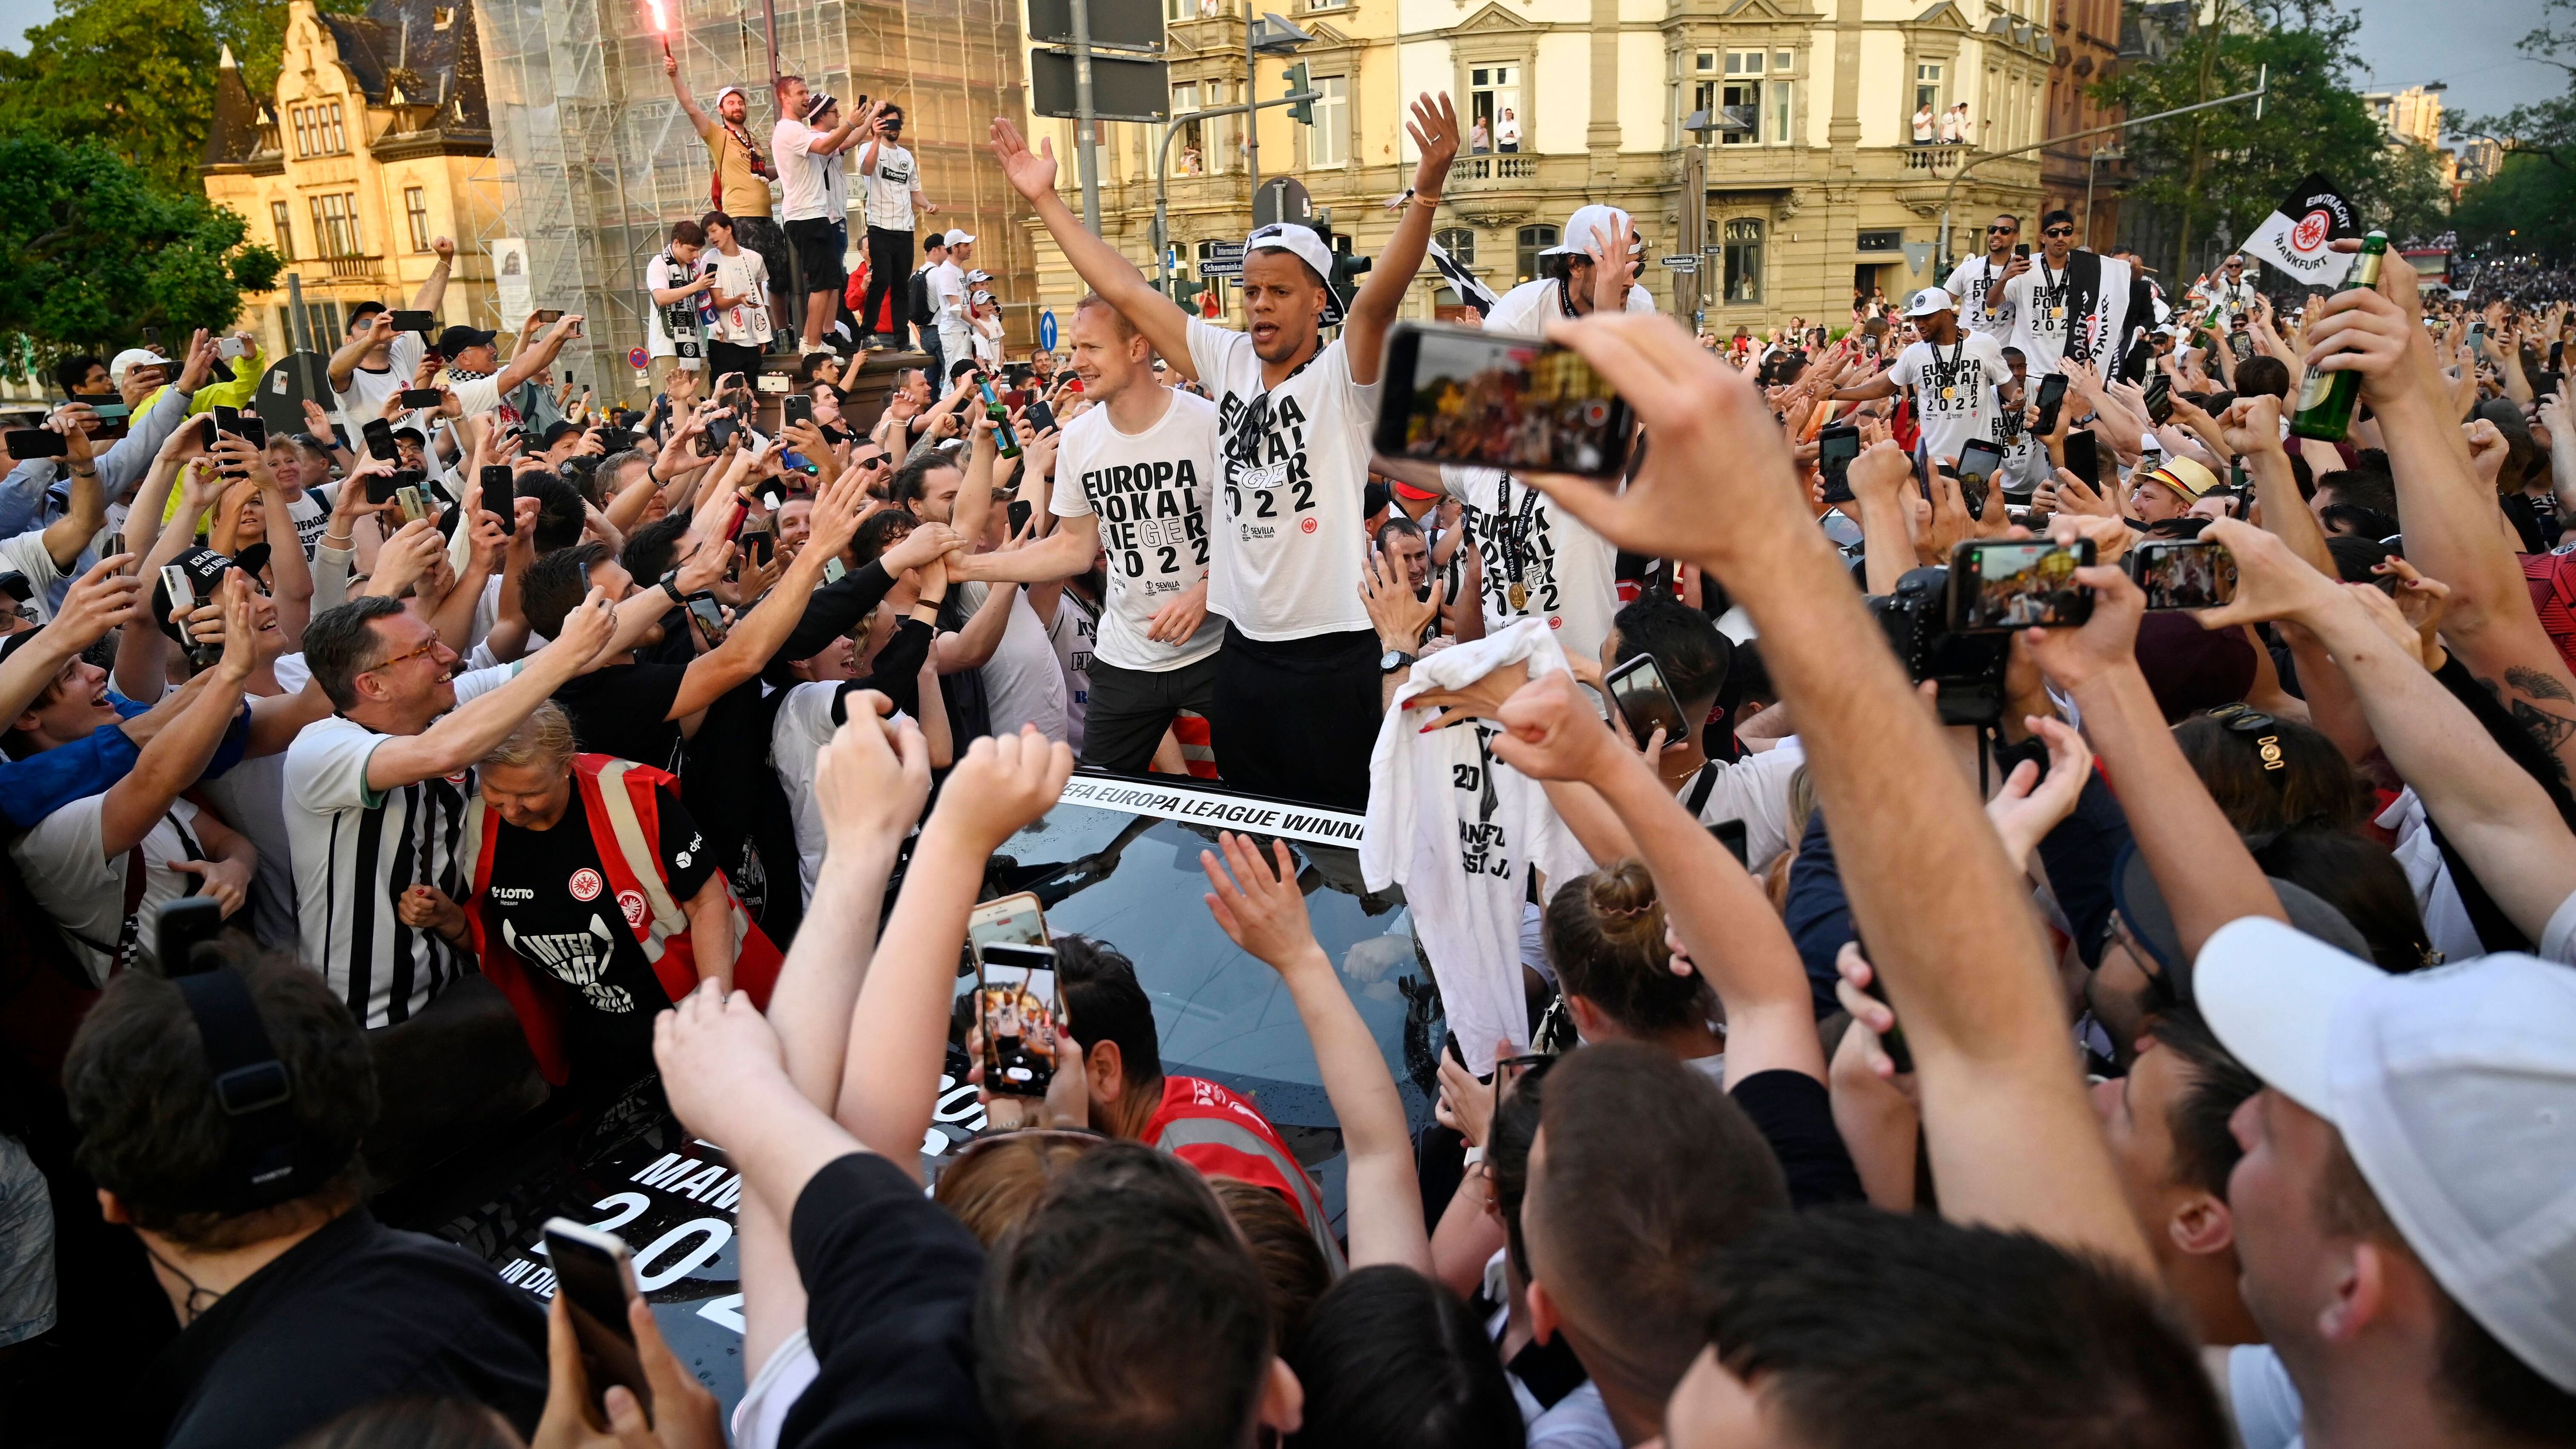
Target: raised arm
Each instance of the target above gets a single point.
(531, 361)
(175, 757)
(1101, 267)
(98, 601)
(1435, 132)
(758, 635)
(433, 288)
(1264, 912)
(470, 731)
(699, 120)
(68, 536)
(343, 366)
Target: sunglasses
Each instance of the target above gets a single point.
(2059, 231)
(403, 658)
(2001, 230)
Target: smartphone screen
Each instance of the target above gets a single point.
(1730, 833)
(2184, 573)
(423, 322)
(550, 315)
(1458, 395)
(593, 1273)
(1007, 920)
(2084, 458)
(1979, 460)
(380, 440)
(35, 443)
(2003, 584)
(1836, 445)
(710, 616)
(1015, 1003)
(2052, 395)
(1645, 701)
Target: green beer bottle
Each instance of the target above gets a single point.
(1003, 438)
(2326, 398)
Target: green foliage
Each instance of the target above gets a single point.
(2412, 203)
(2529, 205)
(2546, 129)
(2222, 168)
(99, 252)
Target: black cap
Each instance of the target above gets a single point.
(2141, 904)
(457, 339)
(561, 431)
(205, 570)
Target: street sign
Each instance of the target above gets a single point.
(1685, 262)
(1916, 254)
(636, 358)
(1046, 331)
(1117, 24)
(1121, 90)
(1223, 259)
(1282, 198)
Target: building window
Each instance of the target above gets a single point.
(303, 130)
(416, 207)
(1927, 86)
(1754, 97)
(1494, 120)
(1328, 141)
(337, 141)
(278, 218)
(335, 225)
(1460, 243)
(1743, 260)
(1533, 240)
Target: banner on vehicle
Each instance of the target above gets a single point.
(1311, 824)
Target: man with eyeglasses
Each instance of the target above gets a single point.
(1977, 278)
(2073, 303)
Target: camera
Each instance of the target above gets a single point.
(1968, 668)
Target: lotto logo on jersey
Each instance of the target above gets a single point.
(632, 903)
(585, 884)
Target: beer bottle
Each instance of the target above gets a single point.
(2326, 398)
(1003, 438)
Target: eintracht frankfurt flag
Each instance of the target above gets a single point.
(2298, 237)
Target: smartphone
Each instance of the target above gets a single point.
(230, 347)
(796, 408)
(2184, 573)
(1038, 415)
(1836, 445)
(1646, 702)
(251, 428)
(500, 495)
(380, 488)
(111, 412)
(1998, 585)
(550, 315)
(616, 440)
(1979, 461)
(408, 501)
(2084, 457)
(719, 432)
(1012, 920)
(1730, 833)
(423, 322)
(181, 589)
(36, 443)
(226, 419)
(181, 927)
(2022, 250)
(1899, 1055)
(575, 332)
(422, 397)
(1015, 1002)
(380, 440)
(1459, 395)
(761, 544)
(2052, 396)
(1016, 398)
(710, 616)
(1020, 511)
(834, 571)
(595, 1274)
(2159, 398)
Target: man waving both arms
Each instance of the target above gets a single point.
(1295, 708)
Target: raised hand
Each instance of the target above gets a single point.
(587, 629)
(1436, 133)
(871, 778)
(1000, 784)
(1031, 173)
(1400, 617)
(717, 1054)
(2251, 425)
(1551, 733)
(2271, 581)
(2104, 642)
(2029, 807)
(100, 600)
(1262, 912)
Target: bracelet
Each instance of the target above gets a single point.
(1473, 1157)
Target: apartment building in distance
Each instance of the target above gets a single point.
(1816, 187)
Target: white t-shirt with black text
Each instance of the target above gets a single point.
(1286, 561)
(1154, 494)
(364, 398)
(1954, 389)
(743, 275)
(1568, 574)
(2041, 303)
(1968, 287)
(887, 202)
(662, 274)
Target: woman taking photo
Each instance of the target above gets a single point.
(594, 905)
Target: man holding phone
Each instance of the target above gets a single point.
(1953, 373)
(375, 360)
(1297, 697)
(1978, 279)
(477, 378)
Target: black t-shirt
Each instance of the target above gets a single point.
(551, 903)
(889, 1305)
(1796, 1116)
(624, 710)
(355, 1313)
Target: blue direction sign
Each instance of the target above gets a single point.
(1046, 331)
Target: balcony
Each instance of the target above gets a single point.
(355, 269)
(1491, 169)
(1942, 159)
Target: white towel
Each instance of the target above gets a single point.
(1460, 830)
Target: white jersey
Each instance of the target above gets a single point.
(2230, 300)
(1568, 575)
(797, 735)
(364, 398)
(817, 188)
(947, 283)
(67, 868)
(1074, 633)
(1527, 308)
(2041, 308)
(745, 275)
(662, 274)
(1154, 493)
(356, 852)
(1286, 562)
(1022, 682)
(887, 197)
(1969, 285)
(1954, 390)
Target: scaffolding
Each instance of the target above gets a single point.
(594, 159)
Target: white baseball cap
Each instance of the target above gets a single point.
(2455, 1092)
(956, 235)
(1929, 301)
(1580, 227)
(1296, 238)
(134, 357)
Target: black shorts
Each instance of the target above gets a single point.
(760, 234)
(818, 254)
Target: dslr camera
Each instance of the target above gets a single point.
(1968, 668)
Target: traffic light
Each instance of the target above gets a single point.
(1348, 267)
(1302, 112)
(1185, 289)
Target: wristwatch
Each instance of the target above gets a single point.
(1393, 660)
(671, 586)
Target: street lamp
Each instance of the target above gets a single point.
(2092, 168)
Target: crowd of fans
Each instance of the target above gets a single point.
(2150, 1030)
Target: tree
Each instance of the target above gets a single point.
(99, 252)
(2412, 203)
(2546, 129)
(2224, 169)
(2529, 205)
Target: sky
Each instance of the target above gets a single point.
(2405, 42)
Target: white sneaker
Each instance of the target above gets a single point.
(810, 348)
